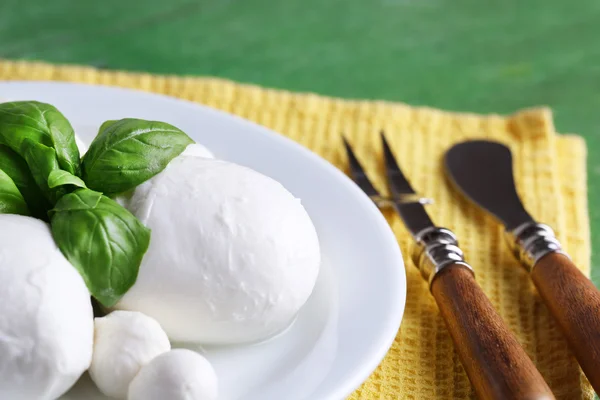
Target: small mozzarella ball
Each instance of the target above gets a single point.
(124, 342)
(177, 375)
(46, 318)
(233, 255)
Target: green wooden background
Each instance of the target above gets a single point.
(495, 56)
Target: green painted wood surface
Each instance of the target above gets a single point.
(467, 55)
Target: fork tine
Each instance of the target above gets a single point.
(397, 182)
(358, 173)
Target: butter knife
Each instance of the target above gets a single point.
(482, 171)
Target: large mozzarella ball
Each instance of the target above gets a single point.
(46, 319)
(124, 342)
(233, 255)
(177, 375)
(197, 150)
(192, 150)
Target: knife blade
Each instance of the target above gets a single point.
(482, 171)
(478, 168)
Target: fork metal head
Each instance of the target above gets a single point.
(358, 174)
(435, 248)
(402, 197)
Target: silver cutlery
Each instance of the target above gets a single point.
(495, 362)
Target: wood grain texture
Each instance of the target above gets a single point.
(494, 360)
(575, 303)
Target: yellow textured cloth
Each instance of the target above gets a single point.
(551, 178)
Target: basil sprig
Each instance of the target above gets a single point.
(40, 168)
(40, 134)
(130, 151)
(41, 123)
(102, 240)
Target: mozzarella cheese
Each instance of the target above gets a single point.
(124, 342)
(46, 319)
(192, 150)
(233, 255)
(81, 145)
(197, 150)
(177, 375)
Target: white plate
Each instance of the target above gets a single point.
(352, 317)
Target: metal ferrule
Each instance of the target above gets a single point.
(531, 241)
(435, 249)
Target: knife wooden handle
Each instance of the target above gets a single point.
(574, 302)
(495, 362)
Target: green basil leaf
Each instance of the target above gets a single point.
(58, 177)
(130, 151)
(11, 200)
(106, 124)
(15, 166)
(104, 242)
(42, 161)
(78, 200)
(41, 123)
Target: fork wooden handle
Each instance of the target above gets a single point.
(497, 365)
(574, 302)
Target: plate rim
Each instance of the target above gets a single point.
(386, 338)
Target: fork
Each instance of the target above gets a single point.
(496, 364)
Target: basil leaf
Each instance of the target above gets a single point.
(41, 123)
(42, 161)
(11, 200)
(106, 124)
(130, 151)
(15, 166)
(58, 177)
(103, 241)
(78, 200)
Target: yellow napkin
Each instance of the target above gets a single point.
(551, 178)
